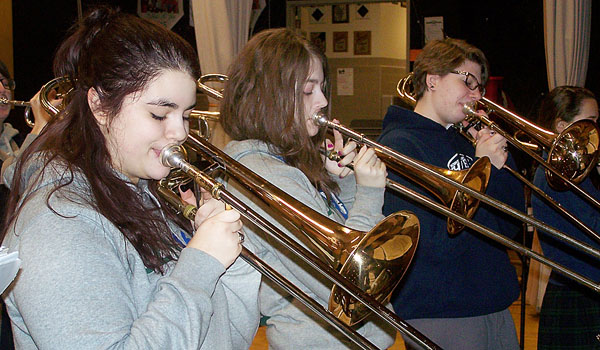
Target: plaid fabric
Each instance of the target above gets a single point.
(569, 319)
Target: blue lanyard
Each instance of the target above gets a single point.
(337, 204)
(181, 238)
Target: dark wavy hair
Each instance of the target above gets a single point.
(6, 74)
(440, 57)
(562, 103)
(263, 100)
(4, 71)
(116, 54)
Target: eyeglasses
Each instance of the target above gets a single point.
(7, 83)
(471, 81)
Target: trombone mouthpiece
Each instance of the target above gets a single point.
(469, 109)
(320, 119)
(172, 155)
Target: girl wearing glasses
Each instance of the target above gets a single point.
(459, 288)
(10, 138)
(8, 134)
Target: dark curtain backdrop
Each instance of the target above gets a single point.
(511, 34)
(40, 26)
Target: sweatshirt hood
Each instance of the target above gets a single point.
(238, 149)
(411, 123)
(409, 120)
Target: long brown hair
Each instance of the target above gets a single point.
(562, 103)
(263, 100)
(440, 57)
(117, 54)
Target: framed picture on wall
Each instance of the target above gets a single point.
(339, 14)
(319, 39)
(340, 41)
(167, 13)
(362, 42)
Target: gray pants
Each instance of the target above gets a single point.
(489, 332)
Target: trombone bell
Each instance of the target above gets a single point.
(376, 265)
(574, 153)
(476, 177)
(374, 260)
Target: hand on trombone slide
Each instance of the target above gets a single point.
(40, 115)
(493, 145)
(369, 170)
(487, 142)
(218, 230)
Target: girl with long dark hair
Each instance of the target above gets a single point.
(104, 266)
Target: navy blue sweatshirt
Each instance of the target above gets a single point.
(556, 250)
(451, 276)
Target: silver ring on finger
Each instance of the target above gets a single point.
(241, 237)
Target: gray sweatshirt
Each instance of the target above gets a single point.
(82, 285)
(8, 146)
(290, 324)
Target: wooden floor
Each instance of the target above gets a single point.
(531, 325)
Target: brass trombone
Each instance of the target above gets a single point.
(375, 260)
(383, 254)
(577, 146)
(165, 189)
(571, 154)
(61, 85)
(398, 160)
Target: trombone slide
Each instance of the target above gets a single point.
(15, 103)
(189, 212)
(368, 301)
(390, 155)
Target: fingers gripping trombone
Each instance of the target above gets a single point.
(241, 236)
(189, 211)
(365, 303)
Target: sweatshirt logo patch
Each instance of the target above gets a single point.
(460, 162)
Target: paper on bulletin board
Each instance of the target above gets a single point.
(434, 28)
(345, 81)
(166, 12)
